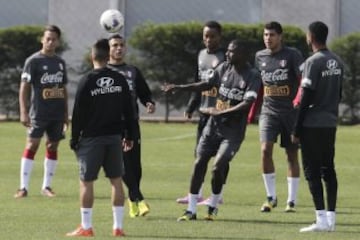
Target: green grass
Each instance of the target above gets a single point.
(167, 162)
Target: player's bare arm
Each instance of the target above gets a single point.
(196, 86)
(24, 94)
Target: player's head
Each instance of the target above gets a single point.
(212, 35)
(237, 52)
(50, 39)
(117, 49)
(100, 51)
(317, 33)
(273, 35)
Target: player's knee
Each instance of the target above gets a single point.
(266, 152)
(329, 174)
(51, 146)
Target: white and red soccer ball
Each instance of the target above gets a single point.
(112, 20)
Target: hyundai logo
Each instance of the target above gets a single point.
(105, 82)
(331, 64)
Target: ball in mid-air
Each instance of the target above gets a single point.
(112, 20)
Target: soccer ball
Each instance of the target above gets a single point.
(112, 20)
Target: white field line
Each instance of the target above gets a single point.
(178, 137)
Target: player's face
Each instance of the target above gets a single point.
(50, 41)
(233, 54)
(272, 39)
(117, 50)
(211, 38)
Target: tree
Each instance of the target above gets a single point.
(348, 48)
(16, 44)
(167, 53)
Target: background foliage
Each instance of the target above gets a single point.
(167, 53)
(348, 48)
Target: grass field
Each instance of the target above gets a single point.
(167, 162)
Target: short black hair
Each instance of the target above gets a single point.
(273, 25)
(214, 25)
(116, 36)
(101, 49)
(53, 28)
(241, 46)
(319, 31)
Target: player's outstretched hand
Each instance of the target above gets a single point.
(169, 88)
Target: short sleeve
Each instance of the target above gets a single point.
(253, 86)
(27, 71)
(309, 76)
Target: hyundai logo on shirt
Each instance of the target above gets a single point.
(105, 85)
(105, 82)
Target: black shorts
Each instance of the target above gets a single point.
(54, 129)
(221, 139)
(97, 152)
(271, 126)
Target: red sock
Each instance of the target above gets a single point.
(29, 154)
(51, 154)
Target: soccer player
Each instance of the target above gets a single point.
(237, 85)
(44, 77)
(315, 127)
(139, 90)
(280, 72)
(208, 59)
(96, 136)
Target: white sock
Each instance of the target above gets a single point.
(293, 186)
(270, 186)
(192, 203)
(200, 194)
(25, 172)
(86, 217)
(118, 216)
(214, 200)
(331, 218)
(222, 192)
(321, 217)
(49, 171)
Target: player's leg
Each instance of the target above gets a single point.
(200, 127)
(329, 175)
(207, 147)
(226, 151)
(54, 132)
(35, 134)
(293, 172)
(114, 169)
(142, 205)
(269, 126)
(90, 157)
(117, 198)
(311, 149)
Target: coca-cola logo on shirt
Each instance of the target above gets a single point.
(277, 75)
(52, 78)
